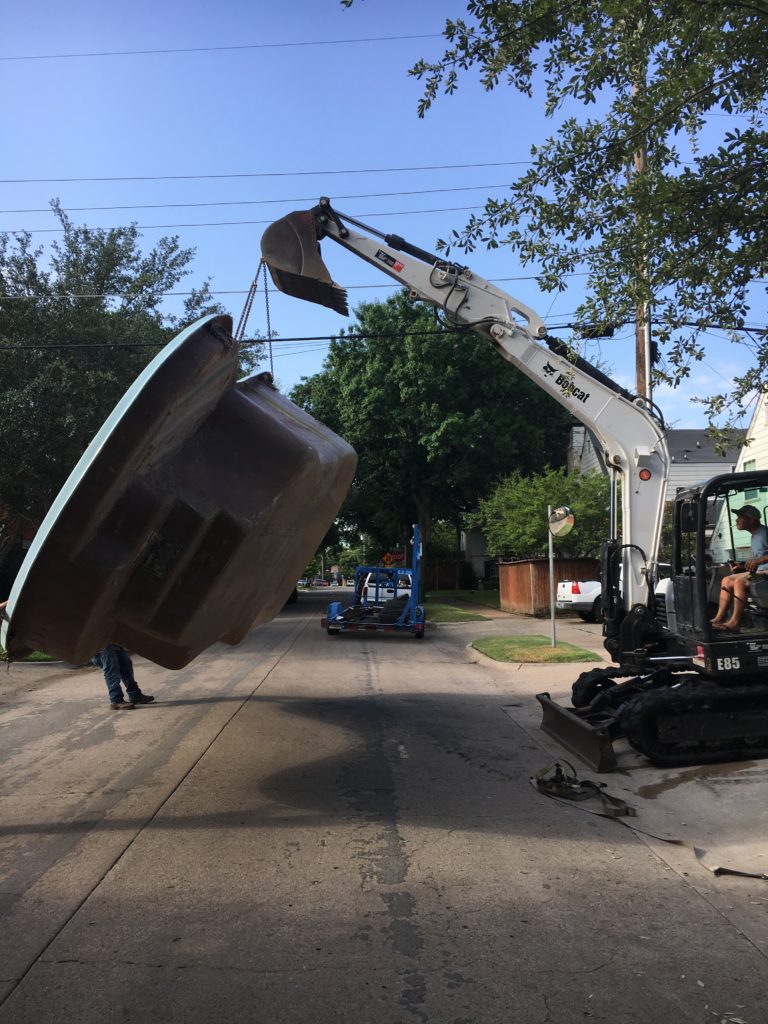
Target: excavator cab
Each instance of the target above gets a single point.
(710, 543)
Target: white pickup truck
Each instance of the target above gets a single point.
(581, 596)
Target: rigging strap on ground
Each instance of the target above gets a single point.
(564, 786)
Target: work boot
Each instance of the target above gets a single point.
(142, 698)
(122, 705)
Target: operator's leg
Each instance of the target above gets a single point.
(740, 595)
(726, 593)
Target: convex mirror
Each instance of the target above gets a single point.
(561, 521)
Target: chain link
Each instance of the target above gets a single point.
(269, 323)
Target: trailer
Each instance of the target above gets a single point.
(386, 600)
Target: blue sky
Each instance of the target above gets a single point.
(272, 108)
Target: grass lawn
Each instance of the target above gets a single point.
(442, 611)
(488, 598)
(34, 656)
(531, 649)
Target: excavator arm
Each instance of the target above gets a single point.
(631, 437)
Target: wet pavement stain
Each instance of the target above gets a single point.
(701, 773)
(414, 995)
(369, 788)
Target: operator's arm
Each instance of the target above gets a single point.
(759, 544)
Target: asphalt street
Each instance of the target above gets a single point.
(342, 829)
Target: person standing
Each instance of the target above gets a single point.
(117, 666)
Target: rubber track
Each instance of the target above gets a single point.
(641, 719)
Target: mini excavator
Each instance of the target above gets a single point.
(679, 691)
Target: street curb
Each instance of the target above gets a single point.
(40, 664)
(31, 664)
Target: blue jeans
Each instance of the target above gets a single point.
(117, 666)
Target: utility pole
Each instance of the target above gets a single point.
(642, 310)
(643, 350)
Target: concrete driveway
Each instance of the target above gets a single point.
(311, 829)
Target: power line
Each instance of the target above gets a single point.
(214, 49)
(242, 291)
(303, 339)
(260, 202)
(241, 223)
(264, 174)
(326, 338)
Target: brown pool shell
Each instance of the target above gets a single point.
(189, 518)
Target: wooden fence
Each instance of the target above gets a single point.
(524, 586)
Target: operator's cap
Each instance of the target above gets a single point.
(747, 510)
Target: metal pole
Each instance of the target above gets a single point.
(551, 576)
(613, 504)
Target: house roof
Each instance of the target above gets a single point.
(697, 446)
(691, 446)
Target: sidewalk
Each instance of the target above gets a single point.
(719, 807)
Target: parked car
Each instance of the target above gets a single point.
(581, 596)
(387, 584)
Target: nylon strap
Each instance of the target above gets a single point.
(564, 786)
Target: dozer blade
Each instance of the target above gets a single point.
(589, 741)
(291, 250)
(188, 519)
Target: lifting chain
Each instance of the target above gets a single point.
(269, 324)
(243, 321)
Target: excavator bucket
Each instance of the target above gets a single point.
(188, 519)
(291, 250)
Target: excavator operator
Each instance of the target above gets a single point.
(734, 590)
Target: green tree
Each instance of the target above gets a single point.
(77, 325)
(349, 559)
(513, 517)
(436, 417)
(656, 199)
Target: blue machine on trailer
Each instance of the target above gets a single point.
(373, 609)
